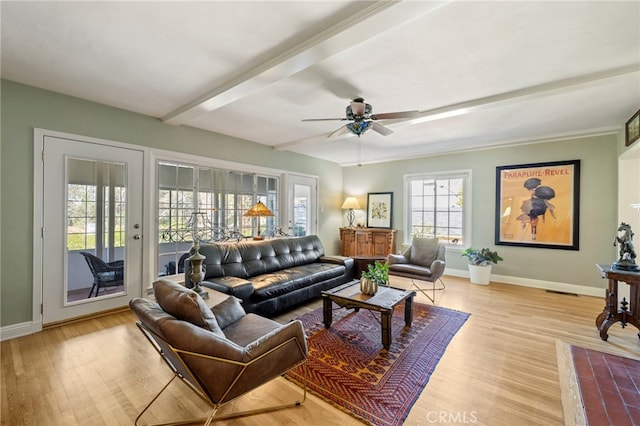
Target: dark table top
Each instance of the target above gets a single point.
(607, 271)
(385, 297)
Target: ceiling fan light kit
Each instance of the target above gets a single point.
(359, 127)
(359, 112)
(358, 108)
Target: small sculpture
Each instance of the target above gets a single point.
(627, 260)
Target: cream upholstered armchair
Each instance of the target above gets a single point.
(220, 352)
(424, 260)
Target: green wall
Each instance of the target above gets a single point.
(598, 204)
(25, 108)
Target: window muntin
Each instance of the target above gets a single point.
(96, 206)
(436, 206)
(81, 217)
(221, 198)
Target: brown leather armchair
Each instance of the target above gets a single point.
(424, 260)
(221, 352)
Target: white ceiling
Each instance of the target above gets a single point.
(480, 73)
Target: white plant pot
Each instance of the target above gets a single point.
(480, 274)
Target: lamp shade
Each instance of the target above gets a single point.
(350, 203)
(259, 210)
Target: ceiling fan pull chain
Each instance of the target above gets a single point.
(358, 149)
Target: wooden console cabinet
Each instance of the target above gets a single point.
(367, 242)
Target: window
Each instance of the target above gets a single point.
(437, 206)
(96, 203)
(81, 216)
(220, 198)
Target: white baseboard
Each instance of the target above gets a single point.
(546, 285)
(19, 330)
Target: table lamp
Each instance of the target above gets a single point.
(350, 203)
(258, 210)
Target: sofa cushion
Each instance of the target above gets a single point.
(238, 287)
(186, 305)
(287, 280)
(424, 251)
(228, 312)
(409, 269)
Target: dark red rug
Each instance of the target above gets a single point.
(609, 386)
(349, 367)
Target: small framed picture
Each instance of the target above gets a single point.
(379, 209)
(632, 129)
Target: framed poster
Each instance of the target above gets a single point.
(537, 205)
(379, 209)
(632, 129)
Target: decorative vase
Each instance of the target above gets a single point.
(198, 270)
(368, 287)
(480, 274)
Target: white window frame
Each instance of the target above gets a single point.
(157, 155)
(465, 174)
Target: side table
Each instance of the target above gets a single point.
(629, 311)
(361, 263)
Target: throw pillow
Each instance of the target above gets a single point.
(185, 305)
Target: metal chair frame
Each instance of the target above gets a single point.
(184, 373)
(433, 289)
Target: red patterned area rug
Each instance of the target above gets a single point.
(349, 367)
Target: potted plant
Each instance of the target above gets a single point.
(376, 274)
(480, 262)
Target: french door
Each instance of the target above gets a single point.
(302, 205)
(91, 227)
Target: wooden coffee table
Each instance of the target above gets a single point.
(384, 301)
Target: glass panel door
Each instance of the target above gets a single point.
(302, 206)
(92, 228)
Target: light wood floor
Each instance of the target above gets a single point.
(500, 369)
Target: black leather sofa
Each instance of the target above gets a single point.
(272, 275)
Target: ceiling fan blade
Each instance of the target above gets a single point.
(324, 119)
(384, 131)
(341, 88)
(399, 114)
(341, 131)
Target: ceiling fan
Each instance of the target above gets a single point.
(359, 113)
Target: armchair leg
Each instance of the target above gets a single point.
(91, 292)
(432, 298)
(144, 410)
(207, 421)
(273, 407)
